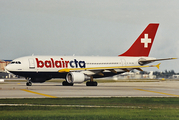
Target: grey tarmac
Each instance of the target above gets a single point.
(113, 89)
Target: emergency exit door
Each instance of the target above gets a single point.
(31, 63)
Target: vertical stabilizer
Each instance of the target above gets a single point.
(143, 44)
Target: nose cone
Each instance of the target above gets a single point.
(8, 68)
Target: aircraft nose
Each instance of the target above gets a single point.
(8, 68)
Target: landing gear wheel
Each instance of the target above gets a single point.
(29, 84)
(65, 83)
(91, 83)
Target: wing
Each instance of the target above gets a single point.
(112, 69)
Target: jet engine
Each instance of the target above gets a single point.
(76, 77)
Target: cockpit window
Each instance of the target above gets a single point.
(12, 62)
(18, 62)
(15, 62)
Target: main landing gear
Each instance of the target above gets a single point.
(91, 83)
(29, 83)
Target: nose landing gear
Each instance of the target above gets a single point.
(29, 83)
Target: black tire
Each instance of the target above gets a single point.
(28, 84)
(65, 83)
(95, 83)
(91, 84)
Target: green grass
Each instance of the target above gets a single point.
(171, 102)
(46, 113)
(125, 108)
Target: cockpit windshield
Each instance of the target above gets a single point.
(15, 62)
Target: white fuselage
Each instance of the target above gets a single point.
(26, 66)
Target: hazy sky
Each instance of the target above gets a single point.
(87, 27)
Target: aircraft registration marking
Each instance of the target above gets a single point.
(39, 93)
(157, 92)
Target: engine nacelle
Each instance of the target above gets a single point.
(76, 77)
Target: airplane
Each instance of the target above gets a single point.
(78, 69)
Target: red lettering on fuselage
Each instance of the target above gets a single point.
(40, 63)
(59, 63)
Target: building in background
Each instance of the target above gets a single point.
(175, 76)
(3, 64)
(3, 72)
(135, 75)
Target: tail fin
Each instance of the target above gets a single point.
(143, 44)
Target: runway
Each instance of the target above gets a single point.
(114, 89)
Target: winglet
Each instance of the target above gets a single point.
(158, 66)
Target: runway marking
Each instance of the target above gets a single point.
(158, 92)
(38, 93)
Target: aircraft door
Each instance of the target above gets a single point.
(123, 62)
(31, 63)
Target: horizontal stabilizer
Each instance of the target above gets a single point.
(143, 61)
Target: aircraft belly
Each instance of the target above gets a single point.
(41, 74)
